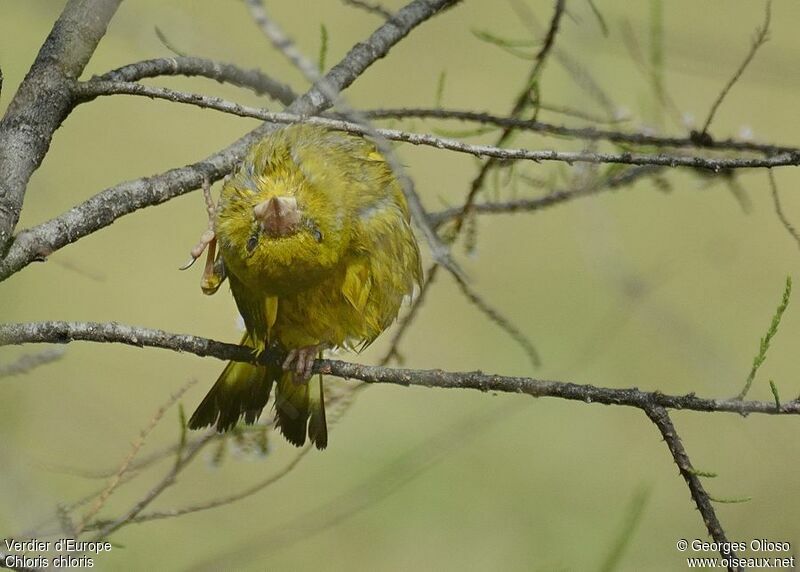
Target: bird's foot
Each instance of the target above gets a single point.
(212, 275)
(209, 238)
(301, 361)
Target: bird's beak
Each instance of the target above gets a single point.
(278, 216)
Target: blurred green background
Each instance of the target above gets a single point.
(660, 289)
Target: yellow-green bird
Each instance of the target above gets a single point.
(314, 236)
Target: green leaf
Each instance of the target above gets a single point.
(774, 389)
(440, 90)
(765, 341)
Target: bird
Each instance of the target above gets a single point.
(314, 237)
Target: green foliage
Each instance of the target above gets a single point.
(777, 397)
(706, 474)
(765, 341)
(601, 21)
(731, 500)
(182, 439)
(437, 103)
(510, 46)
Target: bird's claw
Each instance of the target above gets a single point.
(207, 240)
(213, 273)
(301, 362)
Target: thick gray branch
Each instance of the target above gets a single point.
(107, 206)
(125, 198)
(66, 332)
(44, 100)
(364, 54)
(419, 215)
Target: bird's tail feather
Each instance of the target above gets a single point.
(300, 410)
(242, 391)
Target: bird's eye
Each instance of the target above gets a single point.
(317, 234)
(251, 244)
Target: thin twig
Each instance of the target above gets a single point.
(284, 44)
(107, 206)
(583, 133)
(627, 177)
(521, 205)
(167, 43)
(116, 479)
(601, 21)
(336, 404)
(660, 417)
(776, 202)
(762, 35)
(493, 314)
(521, 103)
(371, 7)
(66, 332)
(581, 114)
(789, 157)
(382, 484)
(152, 494)
(578, 72)
(222, 501)
(223, 72)
(95, 474)
(502, 322)
(364, 54)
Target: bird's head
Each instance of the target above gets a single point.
(278, 216)
(278, 228)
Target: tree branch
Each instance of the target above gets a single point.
(222, 72)
(152, 494)
(583, 133)
(216, 502)
(364, 54)
(660, 417)
(44, 100)
(105, 207)
(762, 34)
(419, 215)
(524, 99)
(66, 332)
(372, 8)
(787, 156)
(627, 177)
(125, 198)
(776, 202)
